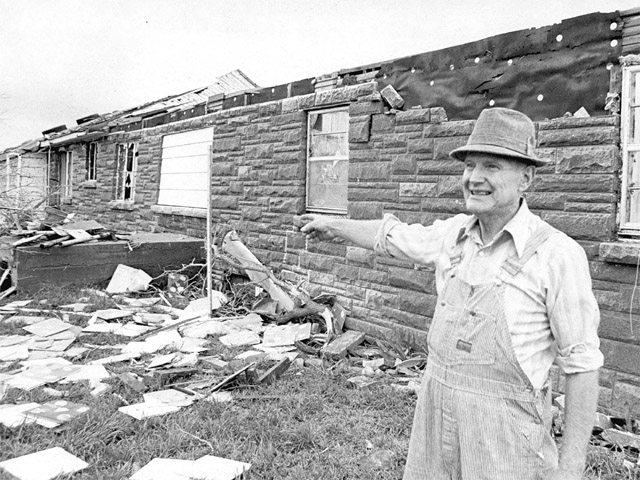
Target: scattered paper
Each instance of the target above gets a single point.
(128, 279)
(205, 468)
(144, 410)
(282, 335)
(11, 415)
(169, 397)
(53, 414)
(43, 465)
(240, 339)
(47, 327)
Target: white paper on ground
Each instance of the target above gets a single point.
(11, 415)
(168, 397)
(239, 339)
(87, 372)
(47, 327)
(43, 465)
(13, 352)
(283, 335)
(128, 279)
(211, 467)
(123, 357)
(111, 313)
(166, 469)
(145, 410)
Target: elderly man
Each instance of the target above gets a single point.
(514, 295)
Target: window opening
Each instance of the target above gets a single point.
(328, 160)
(127, 164)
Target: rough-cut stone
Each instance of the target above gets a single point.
(590, 159)
(392, 97)
(338, 347)
(418, 189)
(360, 130)
(417, 115)
(404, 165)
(449, 186)
(577, 225)
(369, 172)
(577, 136)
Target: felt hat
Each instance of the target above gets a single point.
(503, 132)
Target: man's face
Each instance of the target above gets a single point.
(493, 185)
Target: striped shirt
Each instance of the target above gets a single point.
(550, 308)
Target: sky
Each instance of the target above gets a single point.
(61, 60)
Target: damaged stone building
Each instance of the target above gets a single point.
(343, 144)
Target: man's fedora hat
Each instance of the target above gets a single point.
(503, 132)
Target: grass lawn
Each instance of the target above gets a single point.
(309, 424)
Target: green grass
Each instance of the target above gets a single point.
(309, 424)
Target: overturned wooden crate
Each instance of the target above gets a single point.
(95, 262)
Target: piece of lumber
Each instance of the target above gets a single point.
(51, 243)
(255, 270)
(76, 241)
(26, 240)
(339, 346)
(275, 372)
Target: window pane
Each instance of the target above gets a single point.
(634, 117)
(329, 122)
(328, 184)
(329, 146)
(634, 187)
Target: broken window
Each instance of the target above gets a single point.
(65, 160)
(630, 142)
(184, 173)
(92, 159)
(328, 160)
(127, 164)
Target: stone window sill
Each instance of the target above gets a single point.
(622, 251)
(121, 205)
(89, 184)
(182, 211)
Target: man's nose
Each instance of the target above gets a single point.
(475, 175)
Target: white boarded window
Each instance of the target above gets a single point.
(183, 175)
(328, 160)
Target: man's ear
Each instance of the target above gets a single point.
(528, 174)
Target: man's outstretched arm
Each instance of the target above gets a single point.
(361, 233)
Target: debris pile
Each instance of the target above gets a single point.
(158, 350)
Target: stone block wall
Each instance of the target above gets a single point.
(398, 163)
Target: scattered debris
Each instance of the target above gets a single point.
(43, 465)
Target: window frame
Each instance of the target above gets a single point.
(121, 171)
(308, 159)
(66, 173)
(628, 147)
(92, 161)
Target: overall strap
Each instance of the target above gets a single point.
(512, 265)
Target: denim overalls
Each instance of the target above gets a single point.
(478, 416)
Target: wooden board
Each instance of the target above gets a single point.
(97, 261)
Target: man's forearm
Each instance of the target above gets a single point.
(581, 401)
(358, 232)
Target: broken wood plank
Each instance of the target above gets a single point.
(24, 241)
(274, 372)
(339, 346)
(255, 270)
(76, 241)
(51, 243)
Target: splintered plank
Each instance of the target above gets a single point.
(337, 348)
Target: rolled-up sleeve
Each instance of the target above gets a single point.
(573, 310)
(415, 243)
